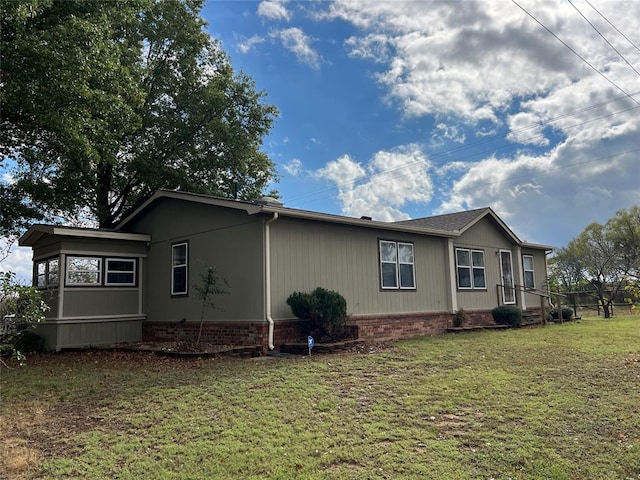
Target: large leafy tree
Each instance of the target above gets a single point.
(606, 257)
(103, 102)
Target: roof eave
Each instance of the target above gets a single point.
(36, 232)
(536, 246)
(324, 217)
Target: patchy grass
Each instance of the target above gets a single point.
(561, 402)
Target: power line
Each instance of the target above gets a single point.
(575, 53)
(613, 26)
(549, 170)
(604, 38)
(475, 144)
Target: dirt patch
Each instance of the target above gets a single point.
(32, 432)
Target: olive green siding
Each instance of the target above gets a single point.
(539, 276)
(307, 254)
(103, 301)
(229, 240)
(489, 237)
(61, 334)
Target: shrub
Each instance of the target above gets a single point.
(21, 308)
(507, 315)
(324, 312)
(567, 313)
(459, 318)
(30, 342)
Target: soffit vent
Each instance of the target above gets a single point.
(269, 201)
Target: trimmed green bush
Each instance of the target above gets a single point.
(507, 315)
(324, 312)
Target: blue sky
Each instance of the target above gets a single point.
(401, 110)
(407, 109)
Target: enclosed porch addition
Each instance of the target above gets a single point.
(92, 281)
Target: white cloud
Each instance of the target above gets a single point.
(296, 41)
(389, 181)
(471, 59)
(343, 171)
(19, 262)
(274, 10)
(449, 133)
(294, 167)
(487, 67)
(247, 44)
(373, 47)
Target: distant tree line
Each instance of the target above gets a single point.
(603, 261)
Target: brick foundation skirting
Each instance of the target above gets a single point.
(373, 328)
(223, 333)
(370, 328)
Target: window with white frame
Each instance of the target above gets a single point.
(47, 273)
(397, 266)
(527, 266)
(470, 268)
(120, 271)
(179, 268)
(83, 271)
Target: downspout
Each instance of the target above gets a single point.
(451, 276)
(267, 268)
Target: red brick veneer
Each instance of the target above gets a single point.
(223, 333)
(370, 328)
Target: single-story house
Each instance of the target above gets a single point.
(138, 280)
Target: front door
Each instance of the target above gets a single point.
(506, 270)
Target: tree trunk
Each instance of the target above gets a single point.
(103, 186)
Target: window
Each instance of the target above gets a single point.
(527, 264)
(47, 273)
(470, 268)
(179, 262)
(120, 271)
(84, 271)
(397, 267)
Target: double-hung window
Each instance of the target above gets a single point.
(84, 271)
(470, 268)
(397, 266)
(179, 268)
(47, 273)
(527, 266)
(120, 271)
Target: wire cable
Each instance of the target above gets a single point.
(574, 52)
(448, 153)
(613, 26)
(603, 37)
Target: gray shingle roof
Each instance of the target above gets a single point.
(450, 222)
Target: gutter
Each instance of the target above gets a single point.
(267, 265)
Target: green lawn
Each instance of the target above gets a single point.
(561, 402)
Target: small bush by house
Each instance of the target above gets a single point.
(567, 314)
(507, 315)
(323, 311)
(459, 318)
